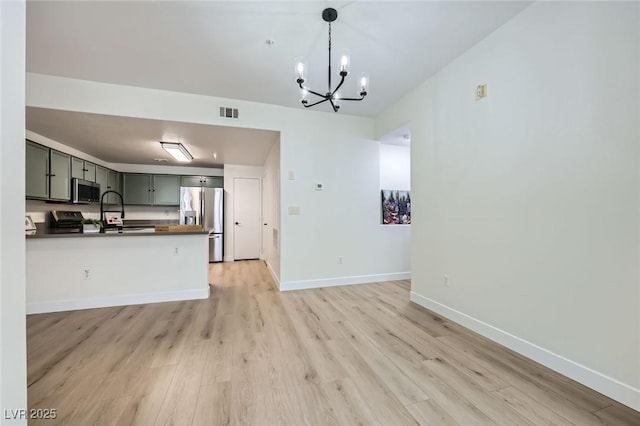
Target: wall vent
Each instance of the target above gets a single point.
(228, 112)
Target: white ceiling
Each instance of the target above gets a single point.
(136, 140)
(219, 48)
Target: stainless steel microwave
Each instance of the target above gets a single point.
(84, 191)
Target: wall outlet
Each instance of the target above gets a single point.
(176, 251)
(86, 274)
(445, 280)
(340, 260)
(319, 186)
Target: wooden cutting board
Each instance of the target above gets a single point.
(178, 228)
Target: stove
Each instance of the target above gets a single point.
(64, 221)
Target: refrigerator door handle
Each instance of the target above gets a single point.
(202, 211)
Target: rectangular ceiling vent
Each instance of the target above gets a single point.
(228, 112)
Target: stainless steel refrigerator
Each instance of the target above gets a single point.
(205, 206)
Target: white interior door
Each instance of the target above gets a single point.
(246, 218)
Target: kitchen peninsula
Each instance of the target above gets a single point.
(82, 271)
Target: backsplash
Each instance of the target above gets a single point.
(38, 209)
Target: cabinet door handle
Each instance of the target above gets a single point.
(52, 175)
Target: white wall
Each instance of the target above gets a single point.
(337, 149)
(395, 167)
(13, 386)
(395, 173)
(123, 270)
(529, 198)
(271, 211)
(232, 171)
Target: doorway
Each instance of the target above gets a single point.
(246, 218)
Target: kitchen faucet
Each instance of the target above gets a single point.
(103, 217)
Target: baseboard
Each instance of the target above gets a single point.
(274, 276)
(599, 382)
(332, 282)
(121, 300)
(228, 259)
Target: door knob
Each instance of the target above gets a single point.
(237, 223)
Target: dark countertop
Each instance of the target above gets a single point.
(134, 228)
(112, 234)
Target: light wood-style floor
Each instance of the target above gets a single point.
(249, 355)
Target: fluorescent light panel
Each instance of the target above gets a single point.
(177, 151)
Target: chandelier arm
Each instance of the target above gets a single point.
(310, 91)
(339, 85)
(316, 93)
(334, 106)
(352, 99)
(316, 103)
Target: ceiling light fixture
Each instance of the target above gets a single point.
(329, 15)
(177, 150)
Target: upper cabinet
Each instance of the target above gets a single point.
(136, 188)
(102, 175)
(59, 176)
(82, 169)
(37, 171)
(113, 184)
(47, 173)
(204, 181)
(151, 190)
(166, 190)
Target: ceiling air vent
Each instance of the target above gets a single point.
(228, 112)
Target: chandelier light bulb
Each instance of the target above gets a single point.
(300, 69)
(345, 60)
(363, 84)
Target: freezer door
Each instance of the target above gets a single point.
(215, 248)
(213, 209)
(218, 211)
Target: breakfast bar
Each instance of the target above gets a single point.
(72, 271)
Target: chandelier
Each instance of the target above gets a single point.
(332, 95)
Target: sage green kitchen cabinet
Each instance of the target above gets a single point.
(113, 184)
(136, 188)
(102, 175)
(82, 169)
(59, 176)
(37, 171)
(151, 190)
(203, 181)
(89, 171)
(166, 190)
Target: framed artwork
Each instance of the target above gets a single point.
(395, 207)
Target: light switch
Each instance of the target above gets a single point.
(481, 91)
(292, 175)
(294, 210)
